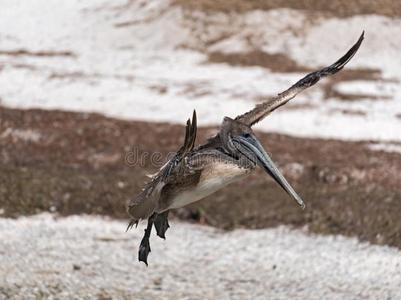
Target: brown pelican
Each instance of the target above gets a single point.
(234, 152)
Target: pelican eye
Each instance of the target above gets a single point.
(246, 135)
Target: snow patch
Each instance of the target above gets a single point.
(27, 135)
(386, 147)
(85, 256)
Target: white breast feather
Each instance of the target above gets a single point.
(213, 178)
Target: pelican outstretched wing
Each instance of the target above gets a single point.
(265, 108)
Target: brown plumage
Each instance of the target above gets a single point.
(196, 172)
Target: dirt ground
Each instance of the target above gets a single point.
(75, 163)
(339, 8)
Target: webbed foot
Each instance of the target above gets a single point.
(144, 249)
(161, 224)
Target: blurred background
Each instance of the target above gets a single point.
(85, 84)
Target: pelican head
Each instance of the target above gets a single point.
(240, 142)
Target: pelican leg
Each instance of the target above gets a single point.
(161, 224)
(144, 247)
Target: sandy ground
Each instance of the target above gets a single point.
(91, 257)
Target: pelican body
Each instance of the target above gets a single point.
(232, 154)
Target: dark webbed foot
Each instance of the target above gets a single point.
(161, 224)
(144, 249)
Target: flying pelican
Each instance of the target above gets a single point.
(233, 153)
